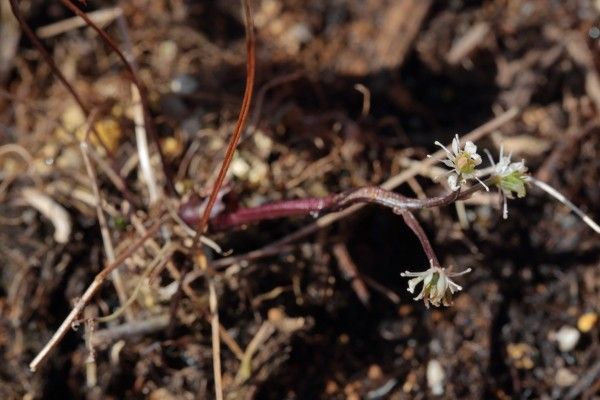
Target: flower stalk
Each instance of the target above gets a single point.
(510, 178)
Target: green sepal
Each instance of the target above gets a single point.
(514, 183)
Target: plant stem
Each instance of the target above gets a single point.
(416, 227)
(190, 212)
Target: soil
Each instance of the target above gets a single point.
(348, 94)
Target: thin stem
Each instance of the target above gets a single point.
(215, 338)
(203, 222)
(287, 208)
(416, 227)
(237, 132)
(395, 201)
(558, 196)
(106, 239)
(46, 56)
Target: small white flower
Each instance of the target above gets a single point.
(462, 163)
(437, 286)
(509, 177)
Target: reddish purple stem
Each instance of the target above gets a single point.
(416, 227)
(190, 212)
(285, 208)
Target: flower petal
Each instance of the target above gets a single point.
(470, 148)
(453, 182)
(441, 287)
(455, 144)
(412, 284)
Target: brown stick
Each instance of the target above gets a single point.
(88, 295)
(109, 250)
(350, 272)
(237, 132)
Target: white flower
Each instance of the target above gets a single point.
(462, 163)
(509, 177)
(437, 286)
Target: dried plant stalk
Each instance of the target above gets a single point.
(87, 296)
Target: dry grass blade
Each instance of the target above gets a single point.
(52, 210)
(50, 61)
(231, 147)
(149, 125)
(561, 198)
(88, 295)
(106, 240)
(142, 146)
(100, 17)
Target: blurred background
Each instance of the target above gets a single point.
(348, 93)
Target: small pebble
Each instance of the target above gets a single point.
(587, 321)
(567, 338)
(435, 377)
(184, 84)
(521, 354)
(240, 168)
(275, 314)
(171, 147)
(565, 378)
(374, 373)
(331, 388)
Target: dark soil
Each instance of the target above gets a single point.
(432, 69)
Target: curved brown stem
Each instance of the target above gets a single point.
(202, 222)
(416, 227)
(148, 123)
(387, 198)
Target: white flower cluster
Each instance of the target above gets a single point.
(437, 286)
(462, 162)
(510, 179)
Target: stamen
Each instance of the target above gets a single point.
(490, 158)
(466, 271)
(483, 184)
(443, 147)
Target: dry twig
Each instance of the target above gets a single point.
(106, 239)
(89, 293)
